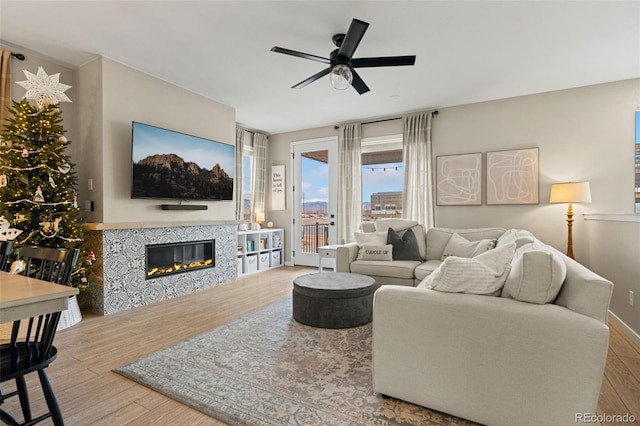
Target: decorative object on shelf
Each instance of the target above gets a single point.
(512, 177)
(277, 187)
(570, 192)
(260, 218)
(269, 224)
(459, 180)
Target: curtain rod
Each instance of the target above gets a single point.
(433, 114)
(19, 56)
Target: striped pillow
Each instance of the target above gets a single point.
(483, 274)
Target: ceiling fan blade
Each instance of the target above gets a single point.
(300, 54)
(352, 38)
(388, 61)
(312, 79)
(358, 83)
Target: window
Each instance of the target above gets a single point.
(382, 178)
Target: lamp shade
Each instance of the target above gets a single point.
(570, 192)
(259, 217)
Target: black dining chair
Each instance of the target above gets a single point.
(5, 251)
(35, 351)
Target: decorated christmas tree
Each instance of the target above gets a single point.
(37, 178)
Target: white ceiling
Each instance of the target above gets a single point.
(467, 51)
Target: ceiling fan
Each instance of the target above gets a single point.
(341, 62)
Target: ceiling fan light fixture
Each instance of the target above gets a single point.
(341, 77)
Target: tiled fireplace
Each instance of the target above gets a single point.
(203, 254)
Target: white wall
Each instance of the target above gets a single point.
(582, 134)
(122, 95)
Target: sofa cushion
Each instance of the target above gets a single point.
(483, 274)
(424, 269)
(405, 246)
(369, 238)
(401, 226)
(518, 236)
(368, 227)
(395, 269)
(536, 275)
(461, 247)
(383, 225)
(377, 238)
(437, 238)
(376, 252)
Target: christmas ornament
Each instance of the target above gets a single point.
(62, 139)
(38, 197)
(3, 180)
(52, 182)
(75, 201)
(50, 228)
(19, 217)
(91, 257)
(64, 168)
(6, 232)
(25, 153)
(44, 89)
(17, 266)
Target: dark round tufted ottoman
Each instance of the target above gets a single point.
(333, 299)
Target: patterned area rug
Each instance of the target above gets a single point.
(267, 369)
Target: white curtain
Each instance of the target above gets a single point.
(238, 174)
(5, 87)
(259, 174)
(417, 198)
(349, 181)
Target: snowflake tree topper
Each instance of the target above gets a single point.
(44, 89)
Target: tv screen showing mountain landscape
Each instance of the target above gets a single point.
(169, 164)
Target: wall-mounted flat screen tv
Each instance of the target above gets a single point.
(174, 165)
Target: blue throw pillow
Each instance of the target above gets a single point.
(405, 246)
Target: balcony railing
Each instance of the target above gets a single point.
(314, 235)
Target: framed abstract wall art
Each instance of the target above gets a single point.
(512, 177)
(459, 180)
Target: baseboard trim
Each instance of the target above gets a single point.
(628, 330)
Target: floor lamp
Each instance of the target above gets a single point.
(571, 192)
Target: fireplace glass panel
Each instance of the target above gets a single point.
(176, 258)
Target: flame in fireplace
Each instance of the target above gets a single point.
(177, 267)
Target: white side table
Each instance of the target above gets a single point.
(327, 252)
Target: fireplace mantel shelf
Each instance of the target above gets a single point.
(145, 225)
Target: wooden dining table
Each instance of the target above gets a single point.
(24, 297)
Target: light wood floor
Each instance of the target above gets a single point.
(89, 393)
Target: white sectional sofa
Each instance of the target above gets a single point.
(533, 355)
(431, 245)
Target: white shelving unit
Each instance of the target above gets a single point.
(260, 250)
